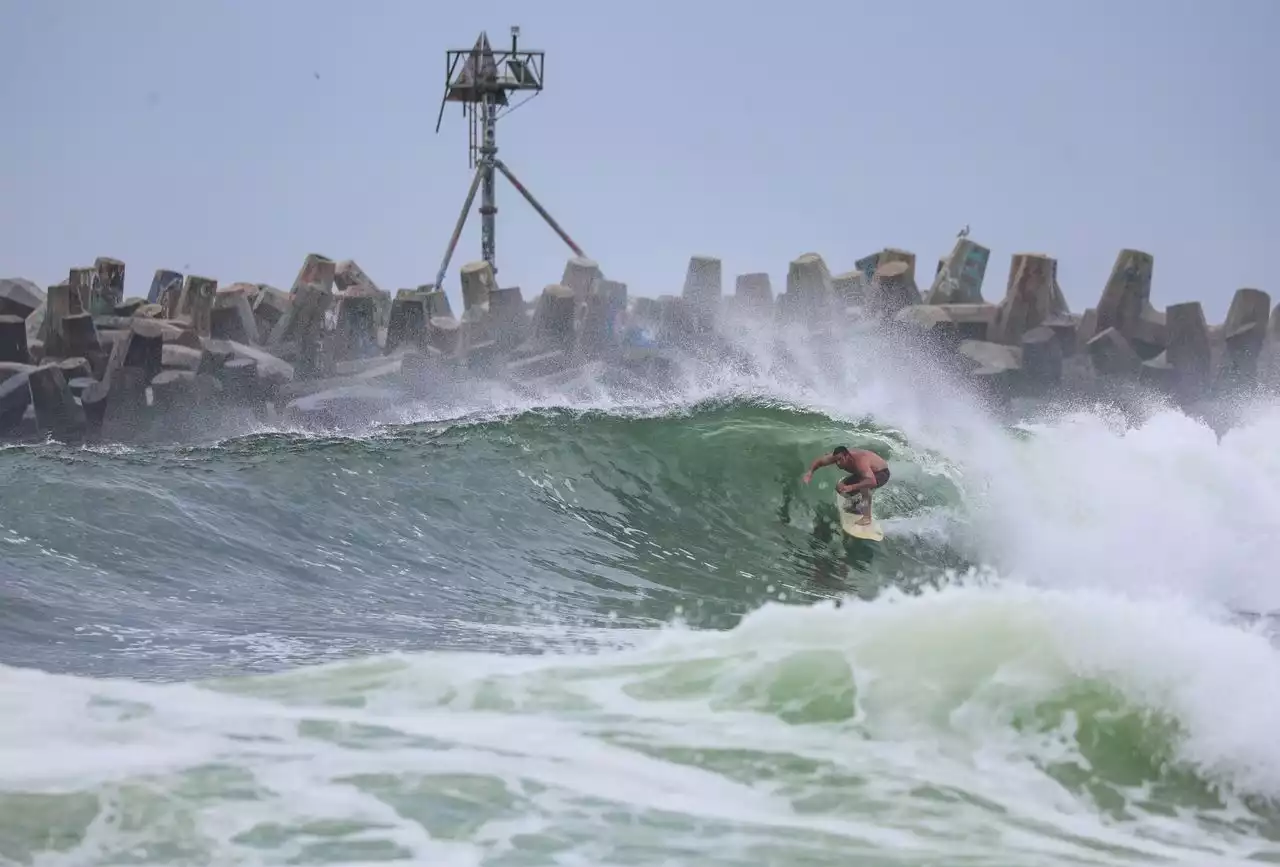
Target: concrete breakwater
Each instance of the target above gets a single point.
(84, 361)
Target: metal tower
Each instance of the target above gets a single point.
(483, 85)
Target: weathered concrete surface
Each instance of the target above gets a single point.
(241, 383)
(107, 288)
(1112, 355)
(437, 303)
(353, 282)
(973, 321)
(232, 315)
(215, 355)
(408, 323)
(444, 334)
(79, 336)
(809, 290)
(1060, 306)
(703, 283)
(598, 333)
(181, 357)
(1029, 298)
(893, 254)
(754, 293)
(356, 332)
(1042, 358)
(116, 406)
(303, 323)
(165, 284)
(867, 266)
(380, 372)
(349, 276)
(850, 287)
(960, 274)
(1149, 334)
(1188, 355)
(1066, 328)
(270, 368)
(74, 368)
(1127, 294)
(38, 321)
(510, 324)
(141, 346)
(553, 321)
(991, 357)
(680, 323)
(172, 391)
(13, 340)
(82, 282)
(891, 289)
(19, 297)
(1026, 345)
(196, 303)
(996, 368)
(580, 276)
(317, 271)
(172, 330)
(476, 346)
(932, 322)
(1087, 329)
(15, 395)
(1244, 331)
(56, 409)
(477, 283)
(269, 307)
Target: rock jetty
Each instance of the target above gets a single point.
(82, 360)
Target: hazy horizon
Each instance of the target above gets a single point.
(232, 139)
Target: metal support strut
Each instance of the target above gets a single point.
(484, 179)
(488, 205)
(542, 212)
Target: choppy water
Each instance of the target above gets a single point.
(586, 628)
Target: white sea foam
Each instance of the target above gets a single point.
(904, 730)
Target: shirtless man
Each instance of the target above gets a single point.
(867, 471)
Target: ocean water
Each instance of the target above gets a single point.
(602, 625)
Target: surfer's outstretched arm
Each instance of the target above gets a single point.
(819, 463)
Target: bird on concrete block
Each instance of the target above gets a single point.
(963, 233)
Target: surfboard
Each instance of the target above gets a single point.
(872, 532)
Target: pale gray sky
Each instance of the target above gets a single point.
(195, 135)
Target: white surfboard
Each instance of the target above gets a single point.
(848, 506)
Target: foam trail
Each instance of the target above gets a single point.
(984, 725)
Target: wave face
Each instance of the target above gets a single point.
(611, 626)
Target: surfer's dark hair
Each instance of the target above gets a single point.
(839, 450)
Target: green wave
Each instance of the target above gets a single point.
(709, 502)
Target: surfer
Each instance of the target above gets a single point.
(867, 471)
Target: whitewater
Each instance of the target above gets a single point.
(597, 625)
